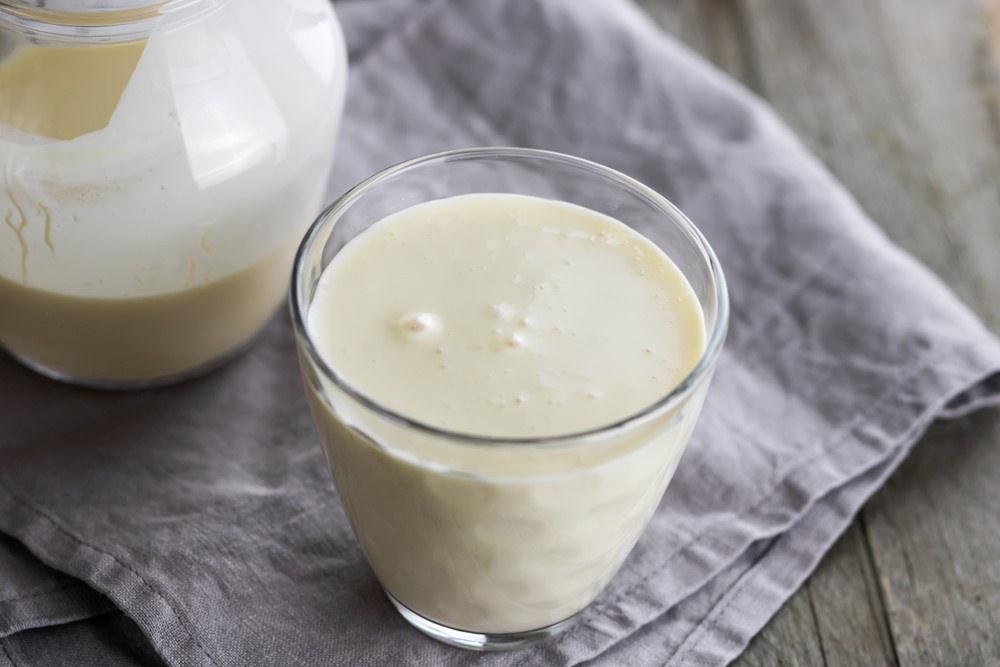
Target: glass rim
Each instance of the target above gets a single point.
(701, 370)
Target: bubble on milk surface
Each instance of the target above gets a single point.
(420, 325)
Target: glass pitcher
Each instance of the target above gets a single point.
(159, 162)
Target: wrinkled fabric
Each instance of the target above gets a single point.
(201, 520)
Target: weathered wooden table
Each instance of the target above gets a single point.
(901, 99)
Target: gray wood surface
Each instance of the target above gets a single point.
(901, 100)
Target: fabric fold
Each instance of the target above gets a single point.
(108, 640)
(33, 595)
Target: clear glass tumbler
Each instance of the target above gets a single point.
(485, 542)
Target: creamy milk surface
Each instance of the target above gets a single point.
(511, 317)
(507, 315)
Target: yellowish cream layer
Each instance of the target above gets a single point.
(143, 338)
(62, 92)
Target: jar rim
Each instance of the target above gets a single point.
(95, 20)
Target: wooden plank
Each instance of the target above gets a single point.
(713, 28)
(899, 97)
(948, 82)
(892, 95)
(847, 604)
(837, 618)
(995, 45)
(935, 532)
(789, 640)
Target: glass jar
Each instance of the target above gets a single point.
(479, 540)
(159, 163)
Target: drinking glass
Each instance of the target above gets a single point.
(483, 541)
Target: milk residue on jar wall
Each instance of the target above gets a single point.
(153, 191)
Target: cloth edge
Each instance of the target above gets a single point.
(172, 636)
(6, 660)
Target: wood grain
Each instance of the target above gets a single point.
(891, 95)
(901, 99)
(850, 616)
(714, 28)
(789, 640)
(898, 97)
(837, 618)
(996, 34)
(935, 531)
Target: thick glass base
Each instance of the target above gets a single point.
(477, 641)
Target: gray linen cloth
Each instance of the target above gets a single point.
(201, 517)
